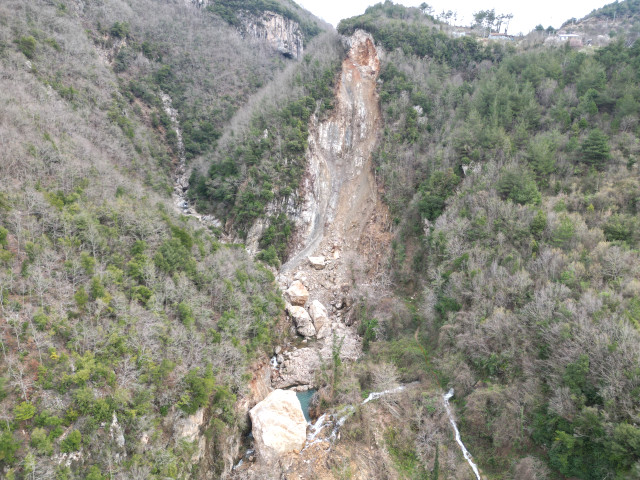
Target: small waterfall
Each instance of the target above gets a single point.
(465, 452)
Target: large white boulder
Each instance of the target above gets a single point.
(303, 322)
(297, 294)
(317, 262)
(320, 318)
(278, 426)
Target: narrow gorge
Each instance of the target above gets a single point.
(342, 224)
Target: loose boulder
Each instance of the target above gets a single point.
(297, 294)
(278, 425)
(317, 262)
(301, 318)
(320, 318)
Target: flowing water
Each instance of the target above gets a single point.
(465, 452)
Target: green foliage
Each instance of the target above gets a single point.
(173, 256)
(120, 29)
(622, 228)
(538, 224)
(616, 10)
(367, 328)
(27, 46)
(564, 232)
(275, 240)
(262, 168)
(413, 37)
(198, 388)
(405, 456)
(186, 314)
(8, 447)
(595, 149)
(71, 443)
(24, 411)
(94, 474)
(41, 442)
(519, 187)
(3, 237)
(228, 10)
(434, 193)
(81, 297)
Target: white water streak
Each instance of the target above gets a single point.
(376, 395)
(465, 452)
(339, 418)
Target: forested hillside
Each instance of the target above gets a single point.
(120, 319)
(512, 177)
(498, 255)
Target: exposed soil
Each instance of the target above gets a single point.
(344, 221)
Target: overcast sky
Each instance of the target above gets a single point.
(526, 14)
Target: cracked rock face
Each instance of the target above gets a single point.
(282, 33)
(278, 425)
(304, 325)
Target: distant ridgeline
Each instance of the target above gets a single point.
(394, 26)
(626, 8)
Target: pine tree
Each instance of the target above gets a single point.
(595, 149)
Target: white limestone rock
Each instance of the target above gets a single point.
(301, 318)
(317, 262)
(297, 294)
(278, 425)
(320, 318)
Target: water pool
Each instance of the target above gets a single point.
(305, 398)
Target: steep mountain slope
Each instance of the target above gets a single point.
(126, 329)
(476, 207)
(513, 179)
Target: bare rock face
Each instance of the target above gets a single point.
(298, 367)
(297, 294)
(282, 33)
(320, 318)
(189, 429)
(278, 424)
(317, 262)
(301, 318)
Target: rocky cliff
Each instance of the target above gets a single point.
(282, 33)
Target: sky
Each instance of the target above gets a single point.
(526, 14)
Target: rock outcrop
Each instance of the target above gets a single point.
(278, 426)
(342, 220)
(299, 367)
(297, 294)
(302, 320)
(282, 33)
(320, 318)
(198, 3)
(188, 429)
